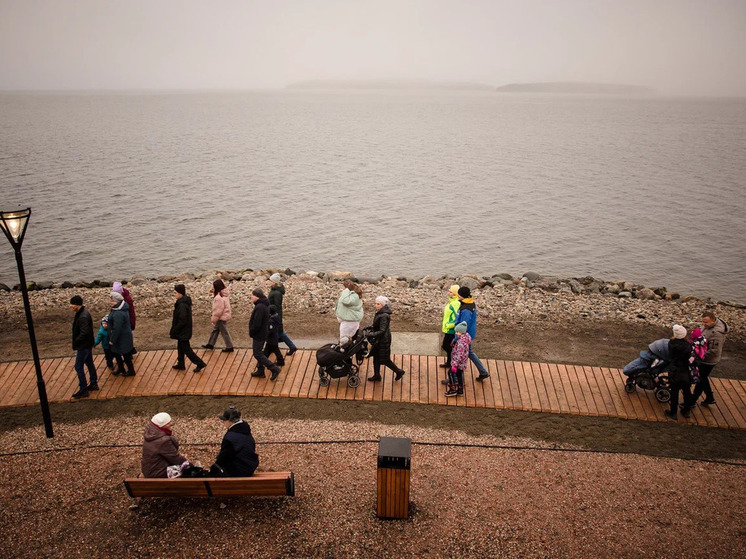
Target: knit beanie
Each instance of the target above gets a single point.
(76, 300)
(464, 292)
(179, 288)
(161, 419)
(679, 332)
(453, 289)
(105, 320)
(275, 278)
(117, 287)
(114, 296)
(461, 327)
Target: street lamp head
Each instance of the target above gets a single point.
(14, 225)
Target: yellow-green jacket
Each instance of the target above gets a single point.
(449, 315)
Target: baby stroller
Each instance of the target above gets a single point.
(653, 377)
(335, 360)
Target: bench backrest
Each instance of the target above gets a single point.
(261, 484)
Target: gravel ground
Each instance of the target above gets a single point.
(465, 502)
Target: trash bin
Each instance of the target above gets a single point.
(394, 457)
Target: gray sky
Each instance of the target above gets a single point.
(689, 47)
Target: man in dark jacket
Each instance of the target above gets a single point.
(714, 331)
(276, 294)
(83, 346)
(258, 332)
(237, 456)
(181, 330)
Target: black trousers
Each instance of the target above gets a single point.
(683, 387)
(704, 383)
(184, 349)
(274, 349)
(386, 362)
(448, 347)
(262, 361)
(123, 360)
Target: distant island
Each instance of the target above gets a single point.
(389, 84)
(576, 87)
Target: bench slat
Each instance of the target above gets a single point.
(261, 484)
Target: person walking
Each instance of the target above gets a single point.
(83, 346)
(349, 309)
(237, 457)
(258, 332)
(221, 314)
(678, 372)
(272, 345)
(120, 335)
(460, 358)
(103, 338)
(380, 336)
(181, 330)
(276, 294)
(467, 312)
(448, 324)
(714, 330)
(119, 288)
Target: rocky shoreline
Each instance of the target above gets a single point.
(501, 298)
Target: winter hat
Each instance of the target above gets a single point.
(161, 419)
(114, 296)
(453, 289)
(275, 278)
(272, 309)
(258, 292)
(679, 332)
(696, 333)
(461, 327)
(105, 320)
(464, 292)
(179, 288)
(230, 414)
(382, 300)
(118, 287)
(76, 300)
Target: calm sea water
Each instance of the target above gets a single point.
(645, 189)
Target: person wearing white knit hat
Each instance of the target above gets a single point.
(679, 332)
(160, 447)
(679, 377)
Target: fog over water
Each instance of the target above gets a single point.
(397, 182)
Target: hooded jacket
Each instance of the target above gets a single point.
(467, 312)
(82, 329)
(715, 337)
(238, 456)
(380, 333)
(181, 323)
(349, 307)
(259, 321)
(128, 299)
(449, 315)
(159, 450)
(120, 331)
(221, 306)
(276, 294)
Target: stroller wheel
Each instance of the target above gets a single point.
(324, 381)
(629, 387)
(353, 381)
(663, 395)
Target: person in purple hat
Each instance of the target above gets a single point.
(119, 288)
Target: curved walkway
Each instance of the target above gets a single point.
(539, 387)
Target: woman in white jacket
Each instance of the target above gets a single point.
(221, 314)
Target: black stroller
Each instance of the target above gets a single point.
(654, 377)
(335, 360)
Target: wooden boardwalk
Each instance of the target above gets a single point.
(539, 387)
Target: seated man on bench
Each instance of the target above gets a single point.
(237, 456)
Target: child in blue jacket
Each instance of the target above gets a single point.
(103, 338)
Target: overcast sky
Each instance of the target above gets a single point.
(689, 47)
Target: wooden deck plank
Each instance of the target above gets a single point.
(558, 391)
(299, 362)
(54, 375)
(487, 385)
(529, 396)
(568, 389)
(291, 374)
(167, 377)
(738, 388)
(217, 369)
(515, 389)
(414, 379)
(310, 374)
(600, 391)
(541, 390)
(424, 390)
(232, 378)
(582, 390)
(501, 390)
(26, 385)
(590, 383)
(731, 415)
(9, 370)
(436, 390)
(546, 374)
(615, 393)
(141, 383)
(14, 377)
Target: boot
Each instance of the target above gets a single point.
(399, 374)
(375, 378)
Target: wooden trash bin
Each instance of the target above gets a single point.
(394, 457)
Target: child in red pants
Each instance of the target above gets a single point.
(459, 360)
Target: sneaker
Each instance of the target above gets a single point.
(128, 374)
(275, 373)
(258, 374)
(228, 350)
(178, 367)
(208, 346)
(92, 387)
(708, 402)
(480, 378)
(291, 351)
(399, 374)
(671, 415)
(199, 367)
(451, 392)
(81, 394)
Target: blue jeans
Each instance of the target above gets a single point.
(641, 363)
(85, 357)
(477, 363)
(288, 342)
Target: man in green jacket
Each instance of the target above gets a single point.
(448, 325)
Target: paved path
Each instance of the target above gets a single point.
(539, 387)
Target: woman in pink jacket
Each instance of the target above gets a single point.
(221, 314)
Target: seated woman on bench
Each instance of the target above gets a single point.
(237, 456)
(160, 448)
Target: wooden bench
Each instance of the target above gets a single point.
(261, 484)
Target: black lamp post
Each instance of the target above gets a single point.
(14, 225)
